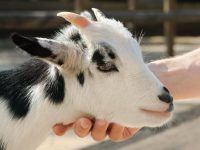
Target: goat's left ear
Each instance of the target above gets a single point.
(35, 46)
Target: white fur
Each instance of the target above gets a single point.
(115, 97)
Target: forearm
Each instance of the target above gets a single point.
(181, 75)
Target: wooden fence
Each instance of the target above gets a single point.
(32, 15)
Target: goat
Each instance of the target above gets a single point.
(90, 68)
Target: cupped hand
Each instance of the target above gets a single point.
(99, 130)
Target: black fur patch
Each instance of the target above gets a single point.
(103, 66)
(76, 37)
(55, 89)
(31, 46)
(60, 62)
(108, 49)
(15, 85)
(81, 78)
(2, 145)
(98, 58)
(111, 55)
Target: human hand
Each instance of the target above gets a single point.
(98, 129)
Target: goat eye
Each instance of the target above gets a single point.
(108, 67)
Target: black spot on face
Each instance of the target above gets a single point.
(109, 50)
(111, 55)
(81, 78)
(55, 89)
(75, 37)
(98, 58)
(103, 66)
(2, 145)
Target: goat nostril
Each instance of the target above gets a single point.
(167, 98)
(171, 107)
(165, 89)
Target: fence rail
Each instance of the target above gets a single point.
(33, 15)
(178, 16)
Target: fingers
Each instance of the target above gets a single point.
(99, 130)
(116, 132)
(82, 127)
(60, 129)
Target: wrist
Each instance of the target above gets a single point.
(180, 74)
(171, 73)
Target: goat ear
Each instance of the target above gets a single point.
(98, 14)
(34, 46)
(67, 55)
(75, 19)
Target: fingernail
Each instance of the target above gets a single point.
(84, 124)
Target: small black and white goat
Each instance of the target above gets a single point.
(91, 68)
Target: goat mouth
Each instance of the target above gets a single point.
(156, 113)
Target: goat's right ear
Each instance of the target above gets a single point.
(34, 46)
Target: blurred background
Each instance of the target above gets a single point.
(168, 28)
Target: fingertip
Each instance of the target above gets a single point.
(60, 129)
(84, 123)
(116, 132)
(99, 131)
(82, 127)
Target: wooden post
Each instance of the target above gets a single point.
(169, 27)
(80, 5)
(132, 7)
(131, 4)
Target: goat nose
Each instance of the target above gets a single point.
(165, 89)
(165, 97)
